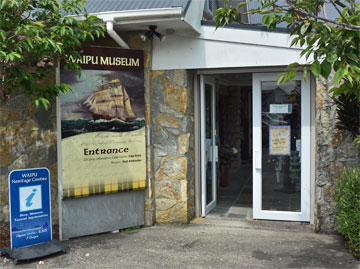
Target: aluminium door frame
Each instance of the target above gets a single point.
(205, 209)
(258, 213)
(270, 69)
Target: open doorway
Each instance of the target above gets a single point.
(233, 139)
(255, 147)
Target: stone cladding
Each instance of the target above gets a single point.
(27, 140)
(334, 151)
(173, 142)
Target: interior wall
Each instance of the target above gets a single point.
(233, 119)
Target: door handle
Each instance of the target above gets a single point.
(257, 159)
(216, 153)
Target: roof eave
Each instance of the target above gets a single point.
(140, 18)
(127, 15)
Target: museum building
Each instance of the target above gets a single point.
(192, 120)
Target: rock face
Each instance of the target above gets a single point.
(172, 118)
(27, 140)
(335, 150)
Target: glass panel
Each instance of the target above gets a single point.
(281, 146)
(208, 143)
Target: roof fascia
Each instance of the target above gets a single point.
(194, 13)
(150, 16)
(129, 15)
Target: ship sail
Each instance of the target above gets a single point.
(127, 105)
(112, 102)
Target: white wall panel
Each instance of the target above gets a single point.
(224, 48)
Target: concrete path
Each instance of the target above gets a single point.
(205, 243)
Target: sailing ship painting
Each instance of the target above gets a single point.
(110, 102)
(100, 101)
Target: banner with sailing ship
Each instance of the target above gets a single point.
(103, 123)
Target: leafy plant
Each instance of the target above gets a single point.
(357, 141)
(347, 208)
(34, 36)
(348, 109)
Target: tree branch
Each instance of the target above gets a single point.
(292, 5)
(339, 3)
(338, 10)
(340, 24)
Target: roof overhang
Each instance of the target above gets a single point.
(139, 20)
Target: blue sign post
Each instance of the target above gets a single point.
(30, 210)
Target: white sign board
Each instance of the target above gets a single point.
(281, 108)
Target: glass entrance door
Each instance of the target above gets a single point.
(208, 144)
(281, 148)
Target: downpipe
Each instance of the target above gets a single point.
(115, 36)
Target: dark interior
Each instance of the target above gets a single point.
(234, 140)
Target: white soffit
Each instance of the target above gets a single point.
(139, 20)
(224, 48)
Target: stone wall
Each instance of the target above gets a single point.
(335, 150)
(173, 142)
(27, 140)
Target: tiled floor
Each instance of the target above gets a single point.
(235, 200)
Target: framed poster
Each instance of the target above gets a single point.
(279, 140)
(103, 123)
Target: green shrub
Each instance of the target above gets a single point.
(357, 141)
(347, 208)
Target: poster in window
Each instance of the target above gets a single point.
(279, 137)
(102, 123)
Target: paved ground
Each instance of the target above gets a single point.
(205, 243)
